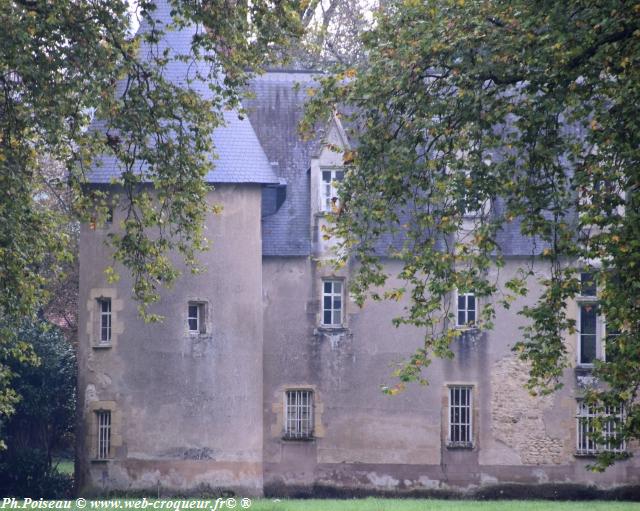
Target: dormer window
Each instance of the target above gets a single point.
(330, 180)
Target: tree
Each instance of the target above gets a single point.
(521, 112)
(44, 418)
(66, 64)
(332, 33)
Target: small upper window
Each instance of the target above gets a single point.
(587, 284)
(466, 309)
(195, 317)
(332, 302)
(104, 305)
(330, 180)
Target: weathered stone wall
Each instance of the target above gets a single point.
(186, 408)
(517, 417)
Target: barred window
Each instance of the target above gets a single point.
(332, 302)
(610, 419)
(460, 416)
(104, 305)
(104, 434)
(466, 309)
(299, 414)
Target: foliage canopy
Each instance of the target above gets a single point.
(472, 115)
(65, 64)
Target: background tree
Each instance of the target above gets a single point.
(60, 66)
(333, 30)
(523, 112)
(42, 425)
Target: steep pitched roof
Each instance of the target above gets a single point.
(275, 112)
(239, 155)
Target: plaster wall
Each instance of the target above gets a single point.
(186, 408)
(366, 440)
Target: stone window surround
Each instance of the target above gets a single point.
(277, 429)
(94, 316)
(92, 429)
(446, 415)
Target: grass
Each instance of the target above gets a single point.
(378, 504)
(373, 504)
(64, 465)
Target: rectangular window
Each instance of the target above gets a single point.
(330, 178)
(466, 309)
(104, 305)
(195, 317)
(610, 419)
(104, 434)
(589, 339)
(587, 284)
(299, 414)
(332, 302)
(460, 416)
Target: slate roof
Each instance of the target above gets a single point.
(240, 158)
(275, 113)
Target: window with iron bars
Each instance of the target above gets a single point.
(298, 414)
(104, 434)
(460, 416)
(610, 418)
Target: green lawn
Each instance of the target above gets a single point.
(438, 505)
(63, 465)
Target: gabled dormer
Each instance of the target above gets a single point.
(326, 170)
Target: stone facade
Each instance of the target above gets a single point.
(244, 386)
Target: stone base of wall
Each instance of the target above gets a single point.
(509, 491)
(167, 478)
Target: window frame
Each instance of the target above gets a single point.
(105, 321)
(332, 295)
(466, 295)
(598, 335)
(328, 191)
(303, 424)
(200, 308)
(469, 442)
(104, 425)
(584, 416)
